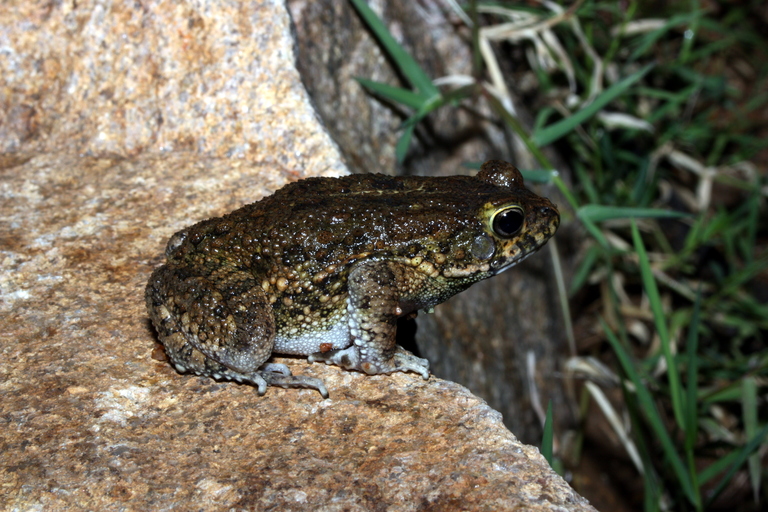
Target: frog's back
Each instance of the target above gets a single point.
(330, 220)
(373, 190)
(371, 201)
(317, 223)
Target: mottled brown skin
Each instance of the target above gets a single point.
(325, 266)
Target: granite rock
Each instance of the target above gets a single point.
(119, 78)
(93, 417)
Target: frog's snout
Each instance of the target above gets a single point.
(548, 214)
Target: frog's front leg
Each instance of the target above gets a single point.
(373, 307)
(219, 326)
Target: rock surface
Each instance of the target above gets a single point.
(91, 416)
(120, 78)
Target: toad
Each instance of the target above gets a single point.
(324, 267)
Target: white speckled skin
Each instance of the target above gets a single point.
(325, 266)
(308, 342)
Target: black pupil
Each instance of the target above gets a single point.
(509, 222)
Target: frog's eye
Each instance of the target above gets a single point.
(508, 222)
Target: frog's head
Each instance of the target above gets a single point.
(515, 223)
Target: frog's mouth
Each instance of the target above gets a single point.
(500, 265)
(492, 267)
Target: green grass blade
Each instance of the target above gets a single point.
(404, 142)
(427, 106)
(557, 180)
(546, 437)
(642, 188)
(739, 457)
(554, 131)
(735, 280)
(542, 176)
(651, 484)
(587, 184)
(423, 109)
(407, 64)
(729, 393)
(584, 269)
(518, 128)
(749, 413)
(717, 467)
(390, 92)
(652, 415)
(650, 38)
(600, 213)
(652, 492)
(674, 103)
(649, 284)
(691, 397)
(597, 234)
(692, 390)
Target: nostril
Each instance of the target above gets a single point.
(546, 210)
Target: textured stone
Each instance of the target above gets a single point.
(98, 77)
(91, 415)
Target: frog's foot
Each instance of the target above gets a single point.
(275, 368)
(275, 374)
(294, 381)
(351, 358)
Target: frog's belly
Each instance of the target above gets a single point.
(299, 341)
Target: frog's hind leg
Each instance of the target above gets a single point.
(224, 331)
(373, 309)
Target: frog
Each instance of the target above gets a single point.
(324, 268)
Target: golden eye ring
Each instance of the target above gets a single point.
(508, 222)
